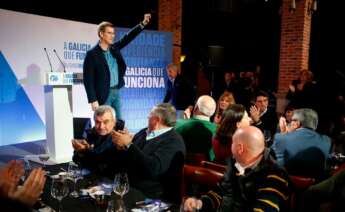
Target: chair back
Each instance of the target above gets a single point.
(214, 166)
(197, 180)
(195, 158)
(299, 184)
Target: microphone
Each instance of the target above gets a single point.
(50, 64)
(63, 65)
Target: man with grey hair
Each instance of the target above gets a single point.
(197, 132)
(302, 151)
(91, 151)
(152, 158)
(180, 92)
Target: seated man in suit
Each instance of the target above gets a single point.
(197, 132)
(302, 151)
(252, 182)
(153, 157)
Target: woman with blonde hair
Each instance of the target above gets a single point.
(224, 101)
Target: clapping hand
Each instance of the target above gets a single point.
(29, 193)
(9, 176)
(255, 114)
(191, 204)
(81, 145)
(121, 139)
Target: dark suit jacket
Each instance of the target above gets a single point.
(303, 152)
(182, 94)
(154, 166)
(96, 71)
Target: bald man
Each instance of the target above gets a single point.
(253, 182)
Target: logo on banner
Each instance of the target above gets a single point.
(54, 78)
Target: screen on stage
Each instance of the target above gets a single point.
(26, 43)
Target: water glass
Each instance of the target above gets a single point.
(59, 189)
(74, 172)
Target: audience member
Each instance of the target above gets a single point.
(197, 132)
(285, 120)
(330, 193)
(302, 151)
(226, 99)
(253, 181)
(180, 92)
(228, 83)
(303, 92)
(153, 157)
(235, 116)
(263, 116)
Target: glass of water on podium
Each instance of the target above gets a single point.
(44, 156)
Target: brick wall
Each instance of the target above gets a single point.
(294, 46)
(170, 19)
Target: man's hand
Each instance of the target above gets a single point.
(191, 204)
(31, 190)
(255, 114)
(292, 88)
(283, 125)
(94, 105)
(188, 112)
(121, 139)
(9, 176)
(81, 145)
(147, 18)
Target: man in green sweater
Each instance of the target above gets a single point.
(197, 132)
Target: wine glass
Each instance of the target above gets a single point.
(43, 157)
(74, 172)
(121, 187)
(59, 189)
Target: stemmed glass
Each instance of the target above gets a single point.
(74, 172)
(121, 187)
(44, 156)
(59, 189)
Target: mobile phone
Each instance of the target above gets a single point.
(120, 125)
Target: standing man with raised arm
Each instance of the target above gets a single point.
(104, 67)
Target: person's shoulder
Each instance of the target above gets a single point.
(181, 122)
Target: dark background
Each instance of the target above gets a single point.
(247, 30)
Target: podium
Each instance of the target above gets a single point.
(59, 116)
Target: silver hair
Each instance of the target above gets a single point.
(206, 105)
(308, 118)
(172, 66)
(103, 109)
(166, 112)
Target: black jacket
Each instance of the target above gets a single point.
(264, 188)
(181, 94)
(96, 71)
(153, 166)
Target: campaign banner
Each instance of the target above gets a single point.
(31, 46)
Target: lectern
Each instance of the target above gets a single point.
(59, 116)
